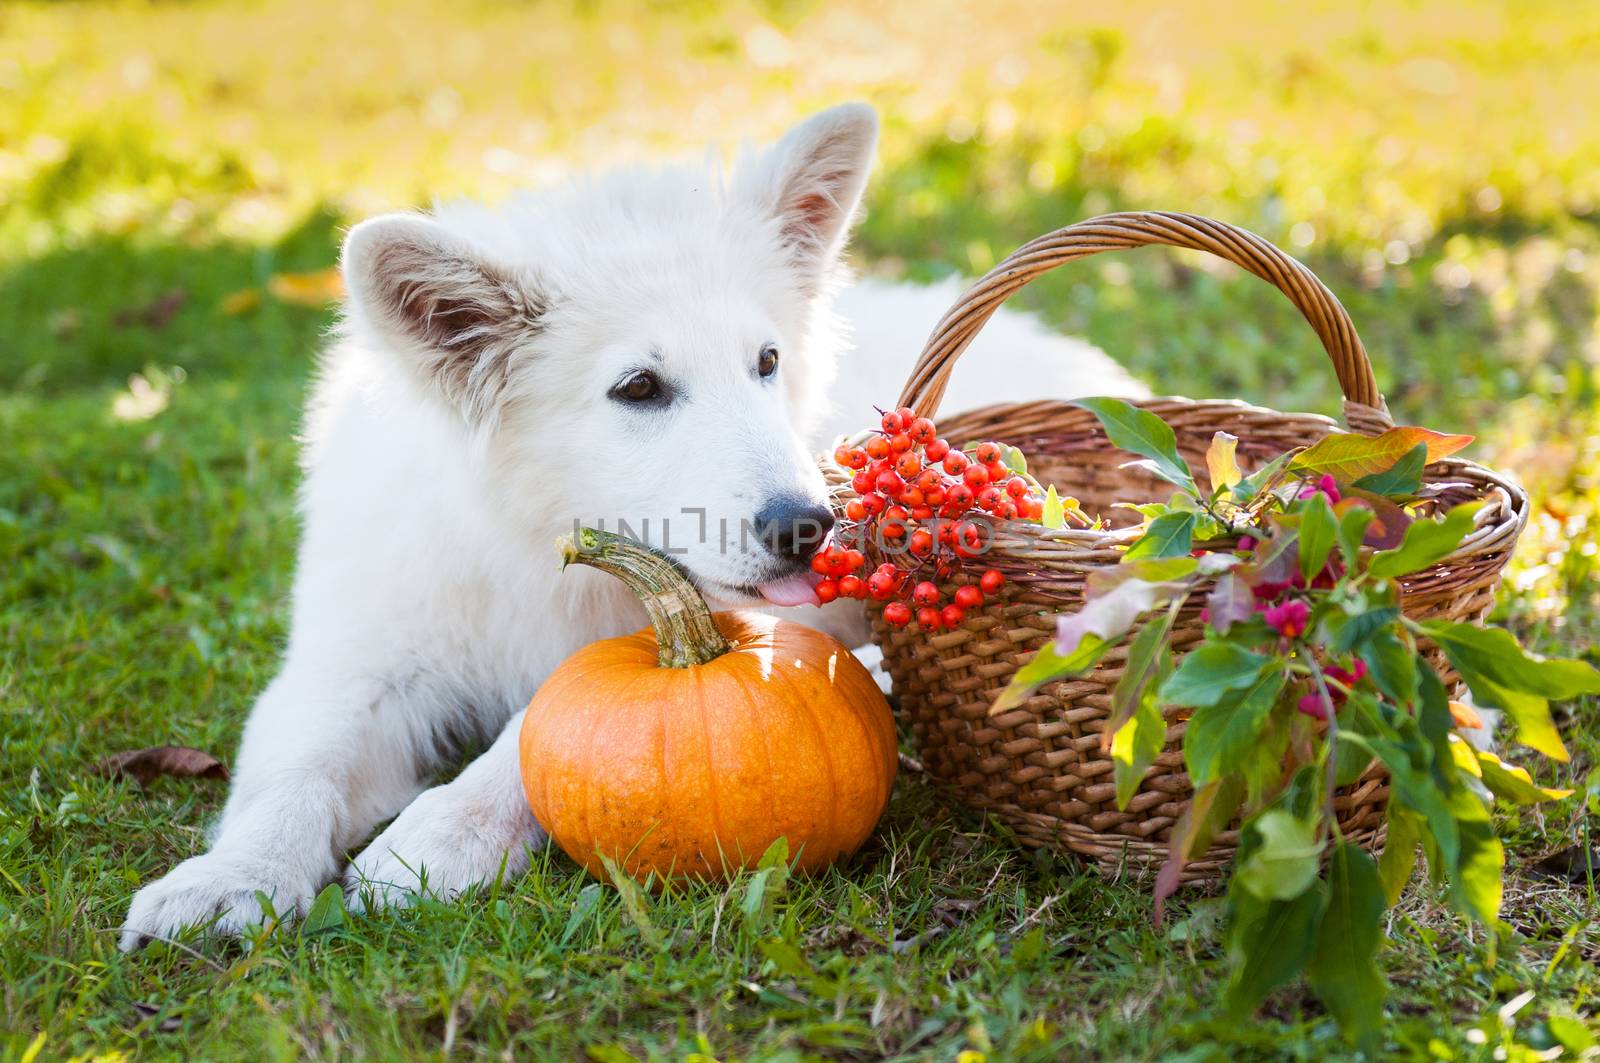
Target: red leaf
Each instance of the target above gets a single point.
(1210, 809)
(1347, 456)
(1167, 882)
(1230, 602)
(144, 765)
(1388, 527)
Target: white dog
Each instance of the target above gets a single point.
(649, 347)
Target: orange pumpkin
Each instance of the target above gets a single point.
(686, 749)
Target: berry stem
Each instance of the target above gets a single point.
(686, 633)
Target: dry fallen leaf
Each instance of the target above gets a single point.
(316, 289)
(1574, 863)
(242, 301)
(178, 761)
(157, 313)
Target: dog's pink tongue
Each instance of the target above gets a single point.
(791, 590)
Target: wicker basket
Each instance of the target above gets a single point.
(1040, 768)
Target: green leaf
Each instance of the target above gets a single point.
(1246, 490)
(1343, 970)
(1046, 667)
(1352, 760)
(1136, 745)
(1404, 477)
(1420, 791)
(1013, 459)
(1170, 535)
(1152, 510)
(1223, 734)
(1399, 857)
(1318, 529)
(1137, 730)
(1145, 434)
(327, 911)
(1221, 465)
(1263, 768)
(1268, 943)
(1494, 652)
(1207, 673)
(1151, 570)
(1511, 783)
(1055, 514)
(754, 904)
(1352, 531)
(1393, 665)
(788, 960)
(1478, 883)
(1501, 673)
(633, 902)
(1571, 1032)
(1354, 632)
(1146, 655)
(1425, 542)
(1347, 456)
(766, 883)
(1284, 862)
(588, 898)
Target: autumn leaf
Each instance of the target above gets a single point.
(143, 765)
(1221, 465)
(243, 301)
(1347, 456)
(316, 289)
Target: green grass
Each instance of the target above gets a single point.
(144, 564)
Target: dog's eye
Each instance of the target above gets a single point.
(640, 386)
(767, 364)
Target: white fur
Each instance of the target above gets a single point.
(462, 421)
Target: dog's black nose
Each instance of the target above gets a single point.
(793, 527)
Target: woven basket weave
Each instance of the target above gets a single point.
(1039, 768)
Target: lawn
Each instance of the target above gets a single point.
(173, 180)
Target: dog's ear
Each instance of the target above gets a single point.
(454, 313)
(812, 181)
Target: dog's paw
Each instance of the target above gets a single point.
(445, 842)
(216, 892)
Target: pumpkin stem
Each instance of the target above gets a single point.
(686, 634)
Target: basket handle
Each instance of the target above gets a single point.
(1364, 408)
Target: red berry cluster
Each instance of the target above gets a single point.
(930, 505)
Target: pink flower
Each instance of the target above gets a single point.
(1327, 487)
(1268, 590)
(1358, 672)
(1312, 706)
(1288, 619)
(1246, 543)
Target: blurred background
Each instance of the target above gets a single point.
(174, 178)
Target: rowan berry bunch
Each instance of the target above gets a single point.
(930, 508)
